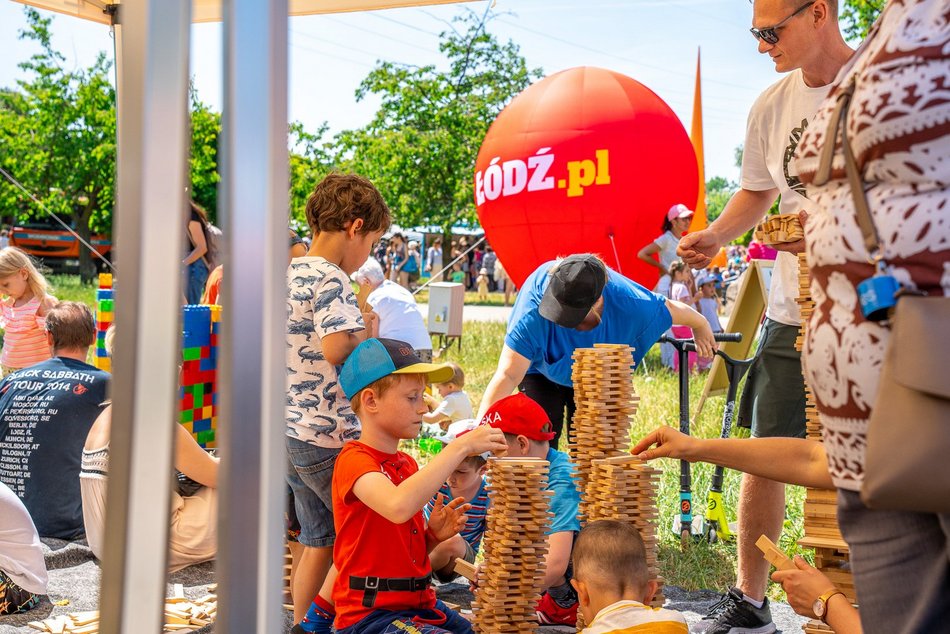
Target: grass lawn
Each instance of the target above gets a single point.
(702, 565)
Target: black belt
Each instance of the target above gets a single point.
(371, 586)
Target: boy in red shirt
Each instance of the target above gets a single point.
(382, 543)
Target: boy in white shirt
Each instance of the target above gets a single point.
(455, 404)
(613, 584)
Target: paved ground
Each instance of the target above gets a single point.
(74, 586)
(478, 313)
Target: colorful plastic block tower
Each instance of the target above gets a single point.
(105, 315)
(199, 376)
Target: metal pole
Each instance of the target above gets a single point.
(152, 87)
(254, 204)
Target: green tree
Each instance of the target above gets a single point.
(718, 192)
(57, 137)
(857, 17)
(311, 158)
(203, 162)
(421, 145)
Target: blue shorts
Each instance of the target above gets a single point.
(440, 620)
(310, 476)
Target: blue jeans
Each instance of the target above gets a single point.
(195, 283)
(440, 620)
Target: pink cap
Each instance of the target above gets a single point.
(678, 210)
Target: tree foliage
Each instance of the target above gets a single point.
(57, 137)
(421, 145)
(857, 17)
(203, 162)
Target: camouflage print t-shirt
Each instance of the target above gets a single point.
(320, 302)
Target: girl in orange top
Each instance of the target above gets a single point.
(22, 311)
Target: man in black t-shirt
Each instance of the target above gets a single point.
(46, 411)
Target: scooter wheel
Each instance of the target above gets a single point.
(712, 535)
(686, 536)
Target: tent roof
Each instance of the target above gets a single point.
(210, 10)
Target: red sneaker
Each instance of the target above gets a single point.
(550, 613)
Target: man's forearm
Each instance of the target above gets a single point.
(743, 211)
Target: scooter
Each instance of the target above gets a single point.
(716, 526)
(686, 525)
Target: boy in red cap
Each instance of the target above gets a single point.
(382, 544)
(528, 432)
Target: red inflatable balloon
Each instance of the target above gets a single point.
(586, 160)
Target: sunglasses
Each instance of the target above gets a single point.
(769, 33)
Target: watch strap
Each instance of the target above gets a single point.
(824, 598)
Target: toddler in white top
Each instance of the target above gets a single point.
(455, 404)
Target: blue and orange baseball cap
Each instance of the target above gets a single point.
(375, 358)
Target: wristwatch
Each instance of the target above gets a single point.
(820, 606)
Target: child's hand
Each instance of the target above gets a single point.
(447, 520)
(484, 438)
(371, 323)
(430, 401)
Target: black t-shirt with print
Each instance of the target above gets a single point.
(46, 411)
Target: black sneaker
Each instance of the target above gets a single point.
(733, 615)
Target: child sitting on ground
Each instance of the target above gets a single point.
(528, 433)
(455, 404)
(613, 584)
(466, 482)
(382, 543)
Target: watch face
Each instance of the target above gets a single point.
(819, 608)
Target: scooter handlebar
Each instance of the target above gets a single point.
(690, 346)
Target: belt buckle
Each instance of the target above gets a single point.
(372, 583)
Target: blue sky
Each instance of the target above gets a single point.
(653, 41)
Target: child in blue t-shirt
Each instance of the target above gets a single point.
(467, 482)
(528, 433)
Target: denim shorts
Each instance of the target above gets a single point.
(310, 476)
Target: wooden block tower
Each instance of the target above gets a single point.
(515, 546)
(199, 377)
(105, 315)
(624, 488)
(605, 404)
(821, 506)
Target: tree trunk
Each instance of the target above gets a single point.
(87, 266)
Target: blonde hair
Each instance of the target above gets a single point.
(12, 260)
(458, 375)
(611, 555)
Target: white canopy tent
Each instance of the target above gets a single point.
(152, 48)
(211, 10)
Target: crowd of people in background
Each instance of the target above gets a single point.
(468, 261)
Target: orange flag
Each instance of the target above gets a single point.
(696, 136)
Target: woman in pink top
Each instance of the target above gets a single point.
(22, 311)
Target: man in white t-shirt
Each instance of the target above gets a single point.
(395, 306)
(804, 40)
